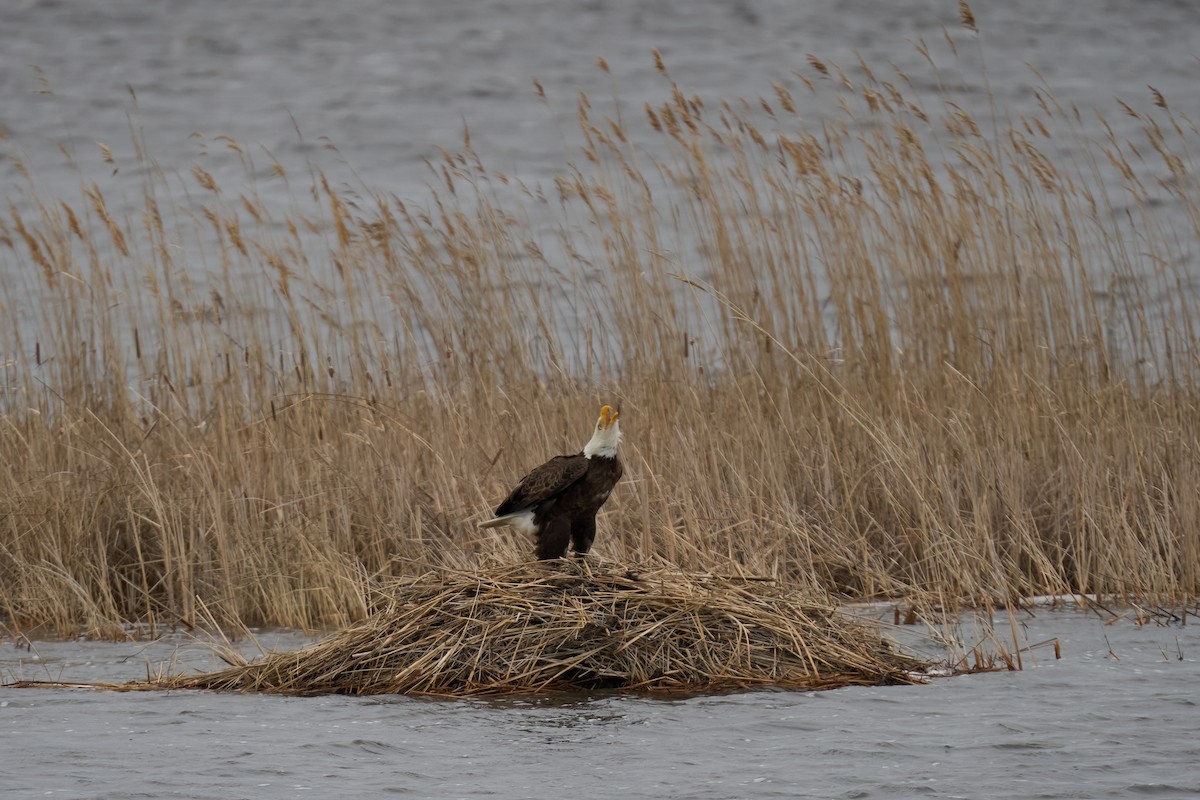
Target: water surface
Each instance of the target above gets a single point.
(391, 83)
(1115, 717)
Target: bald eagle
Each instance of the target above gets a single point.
(558, 501)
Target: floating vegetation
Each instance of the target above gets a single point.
(569, 626)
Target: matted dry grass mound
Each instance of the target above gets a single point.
(537, 627)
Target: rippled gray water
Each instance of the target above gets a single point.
(391, 82)
(1116, 717)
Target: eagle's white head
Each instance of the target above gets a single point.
(607, 436)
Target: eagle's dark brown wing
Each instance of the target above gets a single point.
(545, 482)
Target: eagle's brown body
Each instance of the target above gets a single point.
(558, 501)
(564, 495)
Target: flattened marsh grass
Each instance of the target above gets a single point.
(536, 627)
(894, 355)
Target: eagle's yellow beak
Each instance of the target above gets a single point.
(607, 416)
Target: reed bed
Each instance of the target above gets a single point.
(567, 626)
(902, 352)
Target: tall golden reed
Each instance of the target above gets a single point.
(893, 354)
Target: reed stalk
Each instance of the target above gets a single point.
(900, 353)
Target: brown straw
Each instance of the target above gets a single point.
(536, 627)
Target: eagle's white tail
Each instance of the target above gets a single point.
(519, 519)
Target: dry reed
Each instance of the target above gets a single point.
(898, 354)
(567, 626)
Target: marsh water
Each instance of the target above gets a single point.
(369, 92)
(389, 84)
(1115, 717)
